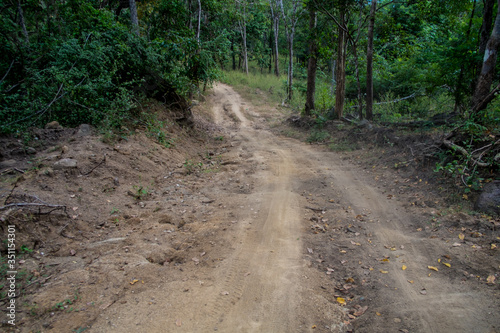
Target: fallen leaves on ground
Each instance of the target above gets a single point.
(433, 268)
(404, 268)
(341, 301)
(491, 279)
(383, 272)
(134, 281)
(461, 236)
(446, 264)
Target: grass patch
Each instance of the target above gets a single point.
(318, 136)
(343, 146)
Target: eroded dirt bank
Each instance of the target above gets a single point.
(275, 236)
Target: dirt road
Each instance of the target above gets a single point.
(271, 272)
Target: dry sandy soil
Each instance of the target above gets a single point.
(243, 230)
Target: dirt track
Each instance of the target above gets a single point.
(264, 278)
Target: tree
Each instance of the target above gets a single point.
(291, 18)
(482, 94)
(369, 63)
(313, 59)
(241, 6)
(275, 17)
(133, 17)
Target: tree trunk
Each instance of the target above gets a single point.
(488, 69)
(459, 88)
(243, 30)
(369, 63)
(290, 64)
(276, 48)
(485, 27)
(199, 23)
(133, 17)
(276, 25)
(358, 83)
(233, 54)
(22, 22)
(312, 63)
(341, 55)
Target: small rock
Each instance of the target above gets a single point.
(365, 124)
(8, 164)
(65, 163)
(84, 130)
(489, 199)
(53, 125)
(64, 149)
(397, 320)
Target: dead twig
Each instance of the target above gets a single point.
(316, 209)
(33, 204)
(98, 165)
(464, 152)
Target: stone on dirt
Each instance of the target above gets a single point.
(53, 125)
(489, 199)
(65, 163)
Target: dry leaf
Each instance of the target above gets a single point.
(378, 313)
(342, 251)
(439, 260)
(385, 259)
(361, 311)
(461, 236)
(433, 268)
(456, 244)
(134, 281)
(446, 264)
(340, 300)
(313, 326)
(178, 322)
(491, 279)
(383, 272)
(410, 281)
(493, 246)
(349, 280)
(404, 268)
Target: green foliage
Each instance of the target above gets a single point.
(83, 64)
(191, 166)
(140, 192)
(156, 129)
(318, 136)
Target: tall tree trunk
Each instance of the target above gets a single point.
(488, 11)
(233, 55)
(243, 30)
(358, 83)
(133, 17)
(341, 55)
(276, 48)
(459, 88)
(313, 61)
(198, 28)
(290, 64)
(482, 95)
(22, 22)
(369, 63)
(276, 25)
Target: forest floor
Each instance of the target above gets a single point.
(241, 227)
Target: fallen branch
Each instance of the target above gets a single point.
(100, 163)
(32, 204)
(464, 152)
(316, 209)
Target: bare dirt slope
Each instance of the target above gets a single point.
(272, 235)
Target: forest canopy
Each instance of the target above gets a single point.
(96, 61)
